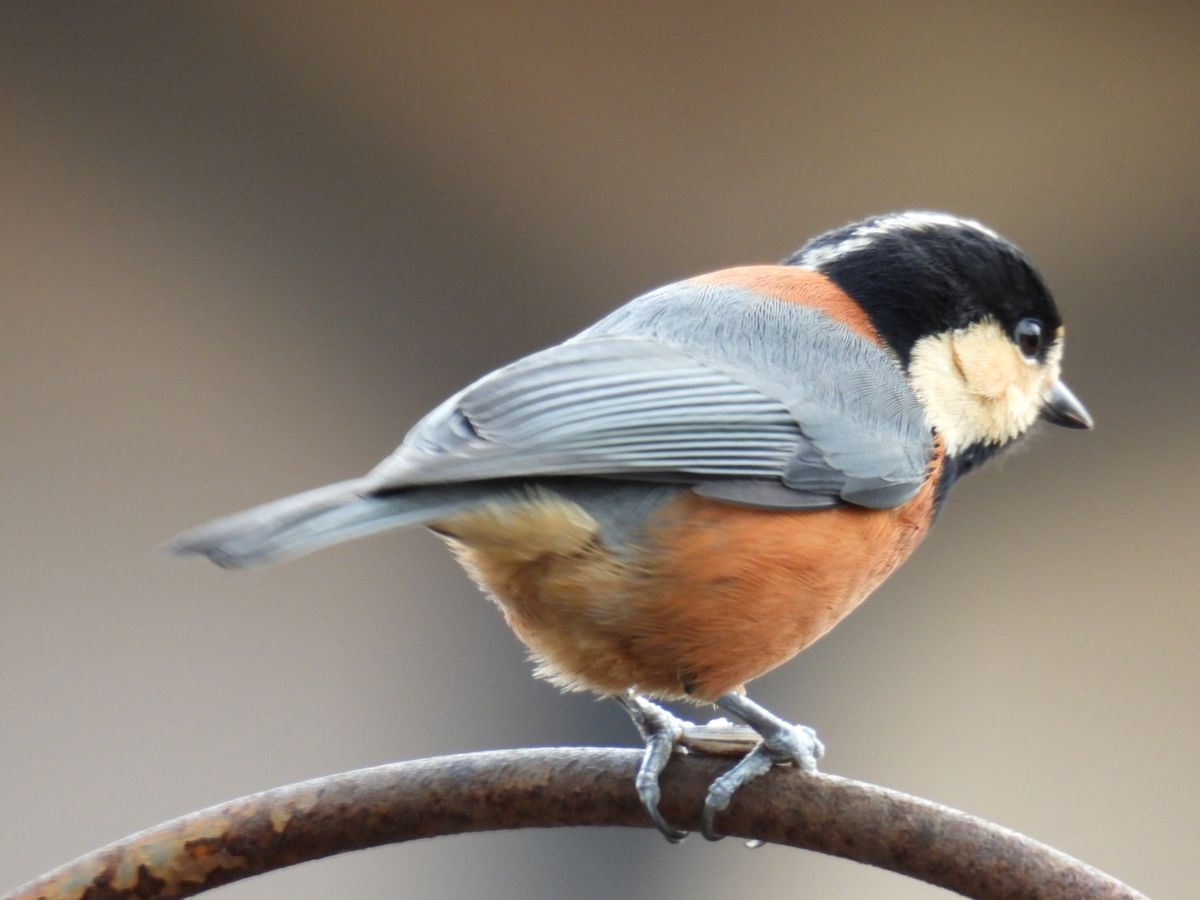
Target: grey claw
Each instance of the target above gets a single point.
(782, 742)
(650, 794)
(661, 731)
(720, 793)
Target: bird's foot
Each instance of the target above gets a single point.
(770, 740)
(781, 743)
(662, 731)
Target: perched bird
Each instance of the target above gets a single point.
(700, 485)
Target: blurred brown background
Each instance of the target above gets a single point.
(244, 246)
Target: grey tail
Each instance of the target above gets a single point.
(318, 518)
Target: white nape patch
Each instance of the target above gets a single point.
(920, 220)
(820, 256)
(865, 234)
(976, 387)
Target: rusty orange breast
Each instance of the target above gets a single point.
(732, 592)
(711, 596)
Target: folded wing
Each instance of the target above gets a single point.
(749, 399)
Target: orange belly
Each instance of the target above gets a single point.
(712, 596)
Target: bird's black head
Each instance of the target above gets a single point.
(968, 318)
(920, 273)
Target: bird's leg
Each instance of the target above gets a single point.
(661, 731)
(781, 742)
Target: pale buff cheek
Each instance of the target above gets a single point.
(989, 364)
(976, 387)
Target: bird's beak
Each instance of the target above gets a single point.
(1061, 407)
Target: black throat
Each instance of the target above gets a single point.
(955, 467)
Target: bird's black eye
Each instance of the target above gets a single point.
(1028, 335)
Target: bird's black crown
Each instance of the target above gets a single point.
(916, 274)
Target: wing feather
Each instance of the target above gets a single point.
(781, 405)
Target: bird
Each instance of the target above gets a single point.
(695, 488)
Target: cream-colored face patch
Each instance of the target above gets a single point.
(977, 387)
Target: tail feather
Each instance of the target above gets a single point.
(306, 522)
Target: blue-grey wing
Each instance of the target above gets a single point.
(748, 398)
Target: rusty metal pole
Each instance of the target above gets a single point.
(550, 788)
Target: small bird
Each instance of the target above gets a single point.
(694, 489)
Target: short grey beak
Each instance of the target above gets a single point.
(1061, 407)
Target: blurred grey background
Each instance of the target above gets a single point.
(243, 246)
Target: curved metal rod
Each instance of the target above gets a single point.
(550, 788)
